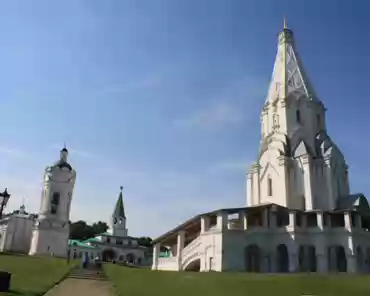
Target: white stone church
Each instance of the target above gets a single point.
(49, 233)
(299, 214)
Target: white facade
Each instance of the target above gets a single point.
(300, 215)
(51, 230)
(114, 244)
(268, 238)
(298, 166)
(16, 232)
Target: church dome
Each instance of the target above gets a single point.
(62, 162)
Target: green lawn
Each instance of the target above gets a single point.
(32, 276)
(142, 282)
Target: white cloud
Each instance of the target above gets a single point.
(216, 116)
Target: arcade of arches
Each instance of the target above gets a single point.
(305, 259)
(110, 254)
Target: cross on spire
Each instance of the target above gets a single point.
(285, 25)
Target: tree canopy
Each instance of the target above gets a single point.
(80, 230)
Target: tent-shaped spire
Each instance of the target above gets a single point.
(119, 210)
(288, 77)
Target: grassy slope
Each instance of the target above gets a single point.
(32, 276)
(140, 282)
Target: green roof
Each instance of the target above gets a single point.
(77, 243)
(91, 240)
(119, 210)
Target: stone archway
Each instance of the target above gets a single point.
(282, 258)
(252, 258)
(312, 262)
(337, 258)
(130, 258)
(193, 266)
(108, 255)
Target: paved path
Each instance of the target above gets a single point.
(83, 282)
(82, 287)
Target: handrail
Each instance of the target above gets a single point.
(191, 246)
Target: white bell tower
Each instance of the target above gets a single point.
(51, 230)
(119, 217)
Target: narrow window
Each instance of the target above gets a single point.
(269, 186)
(298, 116)
(55, 202)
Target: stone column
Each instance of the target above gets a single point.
(320, 220)
(284, 186)
(204, 223)
(156, 251)
(293, 261)
(351, 263)
(222, 221)
(180, 247)
(292, 219)
(306, 160)
(243, 220)
(322, 262)
(256, 184)
(348, 221)
(250, 187)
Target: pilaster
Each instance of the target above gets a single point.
(348, 221)
(285, 162)
(180, 247)
(329, 182)
(306, 161)
(243, 220)
(204, 223)
(254, 184)
(222, 221)
(320, 220)
(156, 251)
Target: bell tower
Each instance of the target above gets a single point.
(51, 230)
(119, 217)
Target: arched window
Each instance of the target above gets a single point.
(298, 116)
(269, 186)
(55, 202)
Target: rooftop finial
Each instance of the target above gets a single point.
(121, 187)
(285, 26)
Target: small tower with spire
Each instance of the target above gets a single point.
(119, 217)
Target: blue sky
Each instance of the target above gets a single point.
(163, 97)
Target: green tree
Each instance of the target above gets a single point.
(80, 230)
(145, 241)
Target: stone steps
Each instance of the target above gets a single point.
(88, 274)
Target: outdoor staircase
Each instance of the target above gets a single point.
(88, 274)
